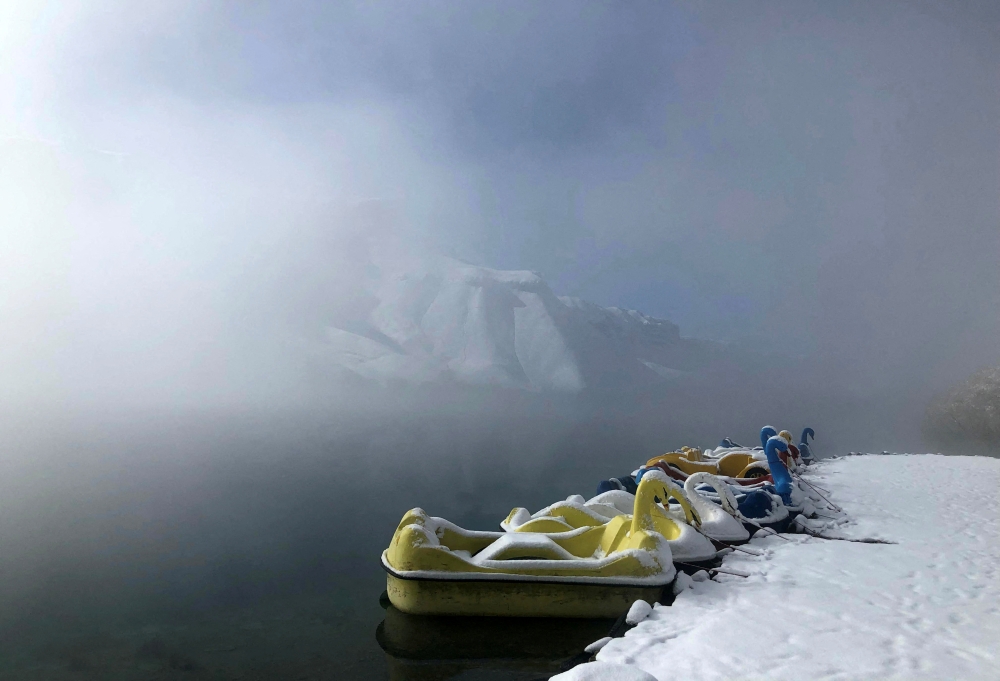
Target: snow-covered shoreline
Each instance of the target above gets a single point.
(926, 606)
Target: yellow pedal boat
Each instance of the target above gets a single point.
(681, 530)
(733, 465)
(435, 567)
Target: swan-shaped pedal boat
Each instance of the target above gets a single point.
(739, 463)
(680, 529)
(756, 508)
(795, 499)
(717, 511)
(679, 468)
(769, 502)
(807, 455)
(720, 520)
(689, 460)
(435, 567)
(727, 446)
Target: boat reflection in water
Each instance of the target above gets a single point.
(436, 648)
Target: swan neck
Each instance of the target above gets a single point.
(779, 472)
(645, 498)
(700, 503)
(690, 487)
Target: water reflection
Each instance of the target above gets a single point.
(431, 648)
(208, 546)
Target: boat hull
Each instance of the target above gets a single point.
(514, 598)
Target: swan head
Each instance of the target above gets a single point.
(775, 443)
(806, 434)
(652, 485)
(726, 498)
(765, 433)
(655, 486)
(786, 436)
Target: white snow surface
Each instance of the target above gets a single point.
(638, 612)
(598, 644)
(603, 671)
(926, 607)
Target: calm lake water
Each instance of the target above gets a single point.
(208, 546)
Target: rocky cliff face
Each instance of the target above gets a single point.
(428, 318)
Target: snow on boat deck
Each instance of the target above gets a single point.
(926, 607)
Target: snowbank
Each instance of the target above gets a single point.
(926, 606)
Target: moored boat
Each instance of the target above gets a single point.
(681, 528)
(435, 567)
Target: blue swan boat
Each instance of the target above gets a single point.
(804, 451)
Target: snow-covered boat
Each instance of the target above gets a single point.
(435, 567)
(755, 508)
(681, 529)
(770, 501)
(762, 508)
(754, 475)
(734, 465)
(807, 455)
(730, 456)
(792, 458)
(720, 517)
(714, 514)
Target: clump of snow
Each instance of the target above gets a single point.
(597, 645)
(682, 582)
(604, 671)
(638, 612)
(924, 607)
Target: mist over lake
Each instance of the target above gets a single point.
(273, 274)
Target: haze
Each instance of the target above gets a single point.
(813, 181)
(219, 222)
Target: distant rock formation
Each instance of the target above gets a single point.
(402, 315)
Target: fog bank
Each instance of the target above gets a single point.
(814, 185)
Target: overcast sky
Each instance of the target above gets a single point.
(816, 178)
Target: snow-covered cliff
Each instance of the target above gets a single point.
(428, 318)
